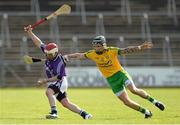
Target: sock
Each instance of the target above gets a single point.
(53, 109)
(152, 100)
(143, 110)
(83, 113)
(147, 112)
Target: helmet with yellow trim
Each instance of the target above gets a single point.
(51, 50)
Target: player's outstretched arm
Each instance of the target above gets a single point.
(79, 56)
(29, 60)
(133, 49)
(34, 38)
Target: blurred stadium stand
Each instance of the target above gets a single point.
(123, 22)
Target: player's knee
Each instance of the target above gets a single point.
(65, 103)
(135, 90)
(127, 102)
(48, 92)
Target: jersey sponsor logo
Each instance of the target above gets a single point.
(107, 56)
(107, 64)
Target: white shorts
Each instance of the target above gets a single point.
(61, 85)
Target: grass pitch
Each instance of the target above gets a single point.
(30, 105)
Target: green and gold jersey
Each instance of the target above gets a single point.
(108, 62)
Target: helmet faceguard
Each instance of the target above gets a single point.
(99, 44)
(99, 40)
(51, 51)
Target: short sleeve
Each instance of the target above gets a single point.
(88, 54)
(43, 47)
(119, 51)
(115, 50)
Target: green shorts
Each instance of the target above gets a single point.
(118, 81)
